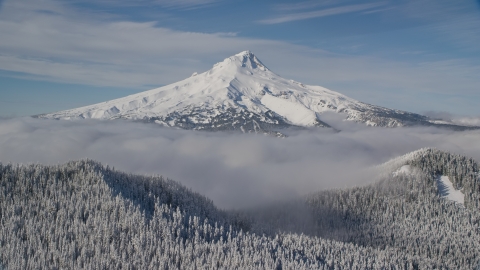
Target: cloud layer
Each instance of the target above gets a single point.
(233, 170)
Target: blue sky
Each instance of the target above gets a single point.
(414, 55)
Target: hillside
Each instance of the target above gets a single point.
(83, 215)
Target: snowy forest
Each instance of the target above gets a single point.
(83, 215)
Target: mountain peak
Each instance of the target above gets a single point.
(246, 53)
(245, 59)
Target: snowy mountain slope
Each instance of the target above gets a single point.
(448, 191)
(450, 181)
(240, 93)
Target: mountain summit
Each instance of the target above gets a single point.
(240, 93)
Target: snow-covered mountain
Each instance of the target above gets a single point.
(240, 93)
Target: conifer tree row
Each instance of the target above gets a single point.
(82, 215)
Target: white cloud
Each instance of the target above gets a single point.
(321, 13)
(120, 53)
(457, 119)
(233, 170)
(468, 120)
(170, 4)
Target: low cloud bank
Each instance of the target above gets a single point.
(456, 119)
(234, 170)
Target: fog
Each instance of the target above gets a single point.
(459, 120)
(234, 170)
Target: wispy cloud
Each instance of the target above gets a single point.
(457, 23)
(300, 5)
(437, 10)
(68, 48)
(184, 3)
(461, 120)
(173, 4)
(321, 13)
(378, 10)
(464, 32)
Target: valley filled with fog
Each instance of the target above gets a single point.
(234, 170)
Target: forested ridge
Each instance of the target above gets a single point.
(83, 215)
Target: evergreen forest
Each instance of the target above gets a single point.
(84, 215)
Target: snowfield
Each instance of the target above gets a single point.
(447, 191)
(294, 112)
